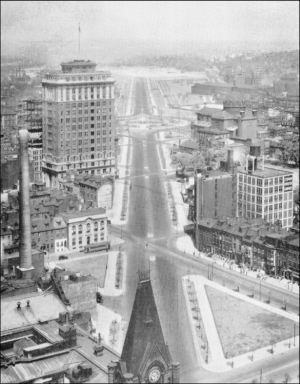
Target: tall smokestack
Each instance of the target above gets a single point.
(24, 208)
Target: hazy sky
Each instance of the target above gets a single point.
(261, 21)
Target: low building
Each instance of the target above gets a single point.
(85, 228)
(50, 234)
(252, 242)
(8, 118)
(96, 189)
(214, 125)
(189, 146)
(40, 337)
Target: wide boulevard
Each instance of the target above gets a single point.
(149, 233)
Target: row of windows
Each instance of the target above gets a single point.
(67, 151)
(86, 126)
(254, 180)
(88, 227)
(69, 112)
(74, 240)
(86, 104)
(86, 142)
(80, 119)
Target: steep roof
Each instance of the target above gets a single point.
(144, 331)
(88, 212)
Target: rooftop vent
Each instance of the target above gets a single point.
(19, 305)
(28, 303)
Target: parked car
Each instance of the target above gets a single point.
(62, 257)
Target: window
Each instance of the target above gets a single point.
(73, 230)
(88, 227)
(102, 224)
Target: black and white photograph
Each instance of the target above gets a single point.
(149, 192)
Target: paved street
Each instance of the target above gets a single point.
(149, 221)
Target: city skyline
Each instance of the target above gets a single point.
(150, 27)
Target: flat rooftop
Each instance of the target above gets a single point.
(267, 172)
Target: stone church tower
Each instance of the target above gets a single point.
(145, 357)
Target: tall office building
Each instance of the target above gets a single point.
(265, 192)
(78, 122)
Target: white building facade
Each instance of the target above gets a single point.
(266, 193)
(86, 228)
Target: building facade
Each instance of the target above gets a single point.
(214, 196)
(266, 193)
(86, 228)
(78, 122)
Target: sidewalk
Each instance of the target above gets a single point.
(185, 244)
(219, 363)
(110, 278)
(114, 214)
(182, 209)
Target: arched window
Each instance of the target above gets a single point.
(74, 230)
(96, 226)
(80, 229)
(88, 227)
(102, 224)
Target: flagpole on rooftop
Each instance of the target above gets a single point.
(79, 39)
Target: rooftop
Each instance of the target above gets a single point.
(43, 307)
(222, 115)
(77, 63)
(47, 364)
(50, 331)
(207, 111)
(267, 172)
(191, 144)
(93, 181)
(88, 212)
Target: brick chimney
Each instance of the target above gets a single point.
(25, 268)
